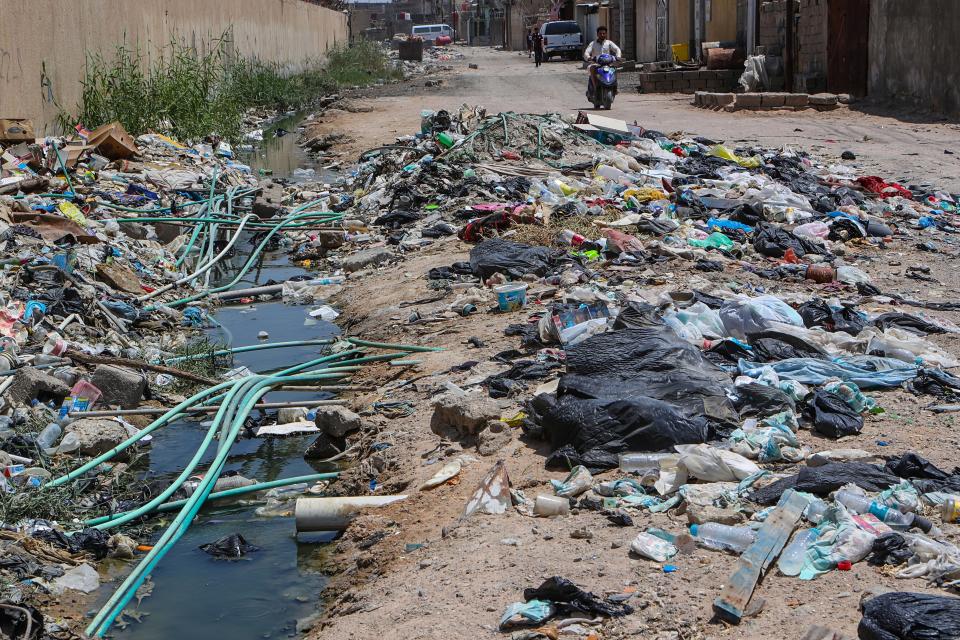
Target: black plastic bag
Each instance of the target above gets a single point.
(727, 352)
(571, 599)
(529, 334)
(232, 546)
(636, 315)
(935, 382)
(831, 416)
(93, 541)
(397, 219)
(817, 313)
(923, 474)
(506, 383)
(599, 430)
(901, 615)
(907, 322)
(831, 476)
(17, 617)
(773, 241)
(770, 493)
(890, 548)
(511, 258)
(757, 400)
(773, 350)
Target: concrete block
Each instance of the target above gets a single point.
(823, 99)
(699, 98)
(689, 75)
(99, 435)
(748, 100)
(772, 99)
(337, 421)
(796, 100)
(119, 386)
(367, 258)
(724, 99)
(29, 383)
(842, 98)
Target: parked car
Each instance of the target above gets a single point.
(561, 38)
(432, 31)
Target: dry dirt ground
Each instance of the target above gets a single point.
(456, 586)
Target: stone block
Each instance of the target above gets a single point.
(468, 414)
(699, 98)
(796, 100)
(772, 99)
(823, 99)
(99, 435)
(337, 421)
(29, 383)
(723, 99)
(119, 386)
(748, 100)
(367, 258)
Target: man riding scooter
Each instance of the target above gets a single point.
(601, 54)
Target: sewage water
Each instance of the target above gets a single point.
(198, 597)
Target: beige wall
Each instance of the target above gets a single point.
(722, 24)
(42, 42)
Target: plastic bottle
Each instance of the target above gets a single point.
(54, 345)
(851, 275)
(642, 462)
(571, 238)
(888, 515)
(791, 560)
(611, 173)
(69, 444)
(878, 345)
(950, 511)
(551, 506)
(49, 435)
(723, 537)
(815, 510)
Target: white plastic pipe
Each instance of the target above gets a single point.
(334, 514)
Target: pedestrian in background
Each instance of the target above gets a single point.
(537, 47)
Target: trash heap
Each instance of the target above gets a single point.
(656, 359)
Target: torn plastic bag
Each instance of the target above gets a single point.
(593, 432)
(770, 344)
(831, 416)
(890, 548)
(232, 546)
(902, 615)
(511, 258)
(755, 400)
(774, 241)
(703, 462)
(935, 382)
(826, 478)
(572, 600)
(637, 315)
(754, 315)
(907, 322)
(817, 313)
(652, 362)
(574, 484)
(503, 384)
(867, 372)
(839, 539)
(397, 219)
(727, 351)
(526, 614)
(923, 474)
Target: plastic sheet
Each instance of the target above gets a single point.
(867, 372)
(910, 616)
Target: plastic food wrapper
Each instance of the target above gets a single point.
(840, 539)
(526, 614)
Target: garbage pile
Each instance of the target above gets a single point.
(696, 327)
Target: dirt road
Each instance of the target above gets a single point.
(908, 149)
(412, 572)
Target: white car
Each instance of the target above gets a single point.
(432, 31)
(561, 38)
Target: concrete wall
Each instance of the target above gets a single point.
(913, 53)
(812, 30)
(43, 42)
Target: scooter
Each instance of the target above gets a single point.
(601, 93)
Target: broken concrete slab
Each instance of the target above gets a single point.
(466, 414)
(99, 435)
(337, 421)
(291, 414)
(119, 385)
(494, 438)
(823, 99)
(119, 277)
(367, 258)
(29, 383)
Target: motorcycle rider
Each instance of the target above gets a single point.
(598, 47)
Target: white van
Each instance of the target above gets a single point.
(432, 31)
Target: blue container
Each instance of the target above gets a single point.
(511, 297)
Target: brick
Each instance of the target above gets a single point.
(724, 99)
(772, 99)
(689, 75)
(796, 100)
(748, 100)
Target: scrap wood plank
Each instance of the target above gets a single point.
(771, 538)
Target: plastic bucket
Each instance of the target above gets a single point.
(511, 297)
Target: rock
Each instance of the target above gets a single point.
(845, 98)
(697, 514)
(118, 385)
(135, 230)
(29, 383)
(269, 203)
(583, 533)
(325, 446)
(308, 623)
(823, 99)
(119, 277)
(491, 441)
(83, 578)
(99, 435)
(468, 414)
(287, 415)
(848, 155)
(337, 421)
(367, 258)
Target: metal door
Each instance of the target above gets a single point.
(848, 28)
(663, 32)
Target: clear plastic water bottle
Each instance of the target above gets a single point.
(723, 537)
(815, 510)
(642, 462)
(49, 435)
(791, 560)
(888, 515)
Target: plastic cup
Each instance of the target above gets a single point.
(511, 297)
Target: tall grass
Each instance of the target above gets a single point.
(190, 95)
